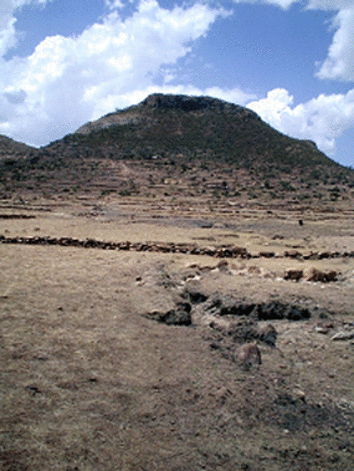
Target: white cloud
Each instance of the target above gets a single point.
(333, 5)
(8, 35)
(114, 4)
(234, 95)
(70, 80)
(285, 4)
(339, 64)
(321, 119)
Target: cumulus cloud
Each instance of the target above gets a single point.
(8, 34)
(321, 119)
(339, 64)
(69, 80)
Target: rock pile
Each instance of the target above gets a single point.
(311, 274)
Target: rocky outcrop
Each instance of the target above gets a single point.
(194, 103)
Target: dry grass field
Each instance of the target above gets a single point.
(98, 372)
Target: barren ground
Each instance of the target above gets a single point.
(90, 380)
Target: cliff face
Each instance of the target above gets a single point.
(193, 103)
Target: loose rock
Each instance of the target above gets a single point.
(248, 355)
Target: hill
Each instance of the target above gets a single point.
(180, 145)
(10, 149)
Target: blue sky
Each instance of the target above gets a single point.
(63, 63)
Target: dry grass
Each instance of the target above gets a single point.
(88, 382)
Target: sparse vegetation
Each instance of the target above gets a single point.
(137, 259)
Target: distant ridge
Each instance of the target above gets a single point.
(199, 145)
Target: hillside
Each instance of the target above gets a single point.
(177, 285)
(179, 145)
(10, 149)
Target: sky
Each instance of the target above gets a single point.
(66, 62)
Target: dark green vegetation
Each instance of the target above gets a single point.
(198, 145)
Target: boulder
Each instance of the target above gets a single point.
(268, 335)
(292, 274)
(315, 275)
(266, 254)
(223, 265)
(248, 355)
(179, 316)
(292, 254)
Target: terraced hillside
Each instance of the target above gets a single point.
(175, 145)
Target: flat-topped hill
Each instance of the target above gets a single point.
(179, 145)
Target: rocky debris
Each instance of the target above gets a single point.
(263, 311)
(181, 315)
(292, 254)
(239, 331)
(254, 270)
(192, 249)
(324, 328)
(268, 335)
(279, 310)
(230, 251)
(292, 274)
(313, 274)
(245, 330)
(298, 394)
(248, 355)
(343, 335)
(223, 265)
(17, 216)
(266, 254)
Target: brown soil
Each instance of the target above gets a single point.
(127, 360)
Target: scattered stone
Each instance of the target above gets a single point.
(179, 316)
(278, 310)
(344, 335)
(299, 395)
(322, 255)
(254, 270)
(248, 355)
(324, 328)
(223, 265)
(315, 275)
(268, 335)
(266, 254)
(294, 275)
(292, 254)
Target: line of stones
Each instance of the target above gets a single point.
(221, 252)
